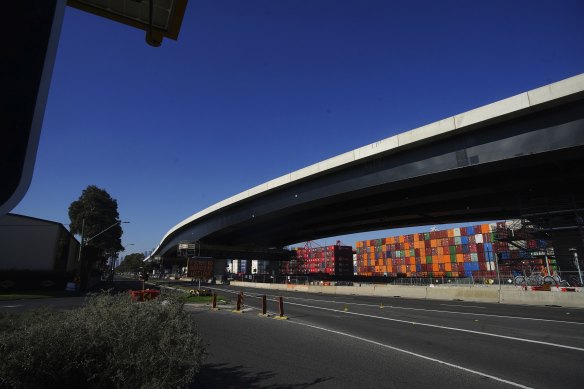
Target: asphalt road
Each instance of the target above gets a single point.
(370, 342)
(366, 342)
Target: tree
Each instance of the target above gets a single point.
(94, 216)
(131, 263)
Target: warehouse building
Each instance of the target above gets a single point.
(35, 253)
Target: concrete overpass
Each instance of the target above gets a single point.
(517, 156)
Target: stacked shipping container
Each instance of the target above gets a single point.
(334, 260)
(451, 253)
(457, 252)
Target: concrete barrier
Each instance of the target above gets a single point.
(473, 293)
(563, 299)
(410, 291)
(477, 293)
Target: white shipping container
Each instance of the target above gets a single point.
(456, 231)
(479, 238)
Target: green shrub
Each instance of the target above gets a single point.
(111, 342)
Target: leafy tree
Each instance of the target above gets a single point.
(131, 263)
(95, 217)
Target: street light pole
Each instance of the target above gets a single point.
(577, 263)
(101, 232)
(81, 244)
(84, 241)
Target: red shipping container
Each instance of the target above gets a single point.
(480, 248)
(458, 249)
(472, 248)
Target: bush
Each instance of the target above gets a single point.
(111, 342)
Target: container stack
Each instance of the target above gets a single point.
(333, 260)
(456, 252)
(522, 254)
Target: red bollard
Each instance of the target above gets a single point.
(281, 304)
(239, 303)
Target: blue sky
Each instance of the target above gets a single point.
(253, 90)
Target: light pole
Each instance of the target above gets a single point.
(84, 240)
(577, 263)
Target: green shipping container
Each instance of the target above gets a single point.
(452, 250)
(428, 259)
(453, 258)
(426, 236)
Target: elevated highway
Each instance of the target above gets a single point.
(503, 160)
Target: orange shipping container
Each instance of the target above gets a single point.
(459, 257)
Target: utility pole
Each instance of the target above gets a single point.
(577, 263)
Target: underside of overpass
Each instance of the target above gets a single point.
(506, 169)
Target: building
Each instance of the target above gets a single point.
(35, 253)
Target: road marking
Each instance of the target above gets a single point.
(476, 372)
(12, 306)
(422, 309)
(444, 327)
(442, 311)
(464, 306)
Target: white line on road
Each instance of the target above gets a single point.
(440, 311)
(11, 306)
(518, 385)
(464, 306)
(443, 327)
(417, 309)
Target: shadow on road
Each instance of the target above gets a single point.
(237, 377)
